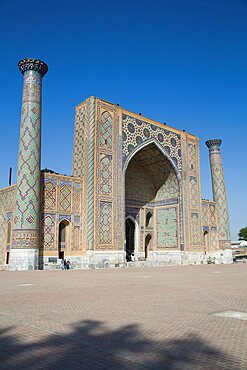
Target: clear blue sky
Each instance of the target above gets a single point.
(176, 61)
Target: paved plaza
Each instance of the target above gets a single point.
(187, 317)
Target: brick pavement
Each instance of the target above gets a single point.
(146, 318)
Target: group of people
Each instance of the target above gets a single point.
(65, 265)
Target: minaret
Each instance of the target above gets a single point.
(219, 192)
(25, 236)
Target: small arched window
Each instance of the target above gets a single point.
(9, 232)
(205, 237)
(147, 244)
(62, 231)
(149, 217)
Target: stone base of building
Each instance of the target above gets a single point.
(24, 259)
(93, 260)
(27, 259)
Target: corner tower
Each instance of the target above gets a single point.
(25, 237)
(219, 191)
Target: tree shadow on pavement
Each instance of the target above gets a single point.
(91, 345)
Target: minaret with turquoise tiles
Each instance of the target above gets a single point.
(25, 236)
(219, 192)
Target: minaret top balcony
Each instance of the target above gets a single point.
(33, 65)
(213, 143)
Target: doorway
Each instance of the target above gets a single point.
(150, 179)
(130, 238)
(206, 241)
(61, 255)
(147, 244)
(63, 238)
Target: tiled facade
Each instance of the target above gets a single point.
(7, 200)
(125, 166)
(55, 207)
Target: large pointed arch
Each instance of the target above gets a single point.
(161, 149)
(158, 146)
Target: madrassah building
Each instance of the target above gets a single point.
(134, 192)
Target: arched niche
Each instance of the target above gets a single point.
(206, 240)
(148, 241)
(63, 237)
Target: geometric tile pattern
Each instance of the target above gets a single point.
(209, 223)
(104, 164)
(167, 227)
(205, 214)
(219, 191)
(77, 220)
(64, 217)
(106, 174)
(195, 234)
(220, 199)
(209, 216)
(65, 197)
(48, 232)
(49, 195)
(76, 239)
(76, 201)
(214, 238)
(27, 207)
(76, 198)
(192, 160)
(105, 232)
(83, 159)
(7, 201)
(145, 182)
(136, 132)
(193, 195)
(193, 192)
(79, 141)
(212, 214)
(28, 180)
(83, 163)
(106, 130)
(170, 189)
(91, 174)
(56, 208)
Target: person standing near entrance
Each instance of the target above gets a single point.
(62, 264)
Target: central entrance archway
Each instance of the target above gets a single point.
(152, 192)
(130, 238)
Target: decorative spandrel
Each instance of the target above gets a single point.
(137, 131)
